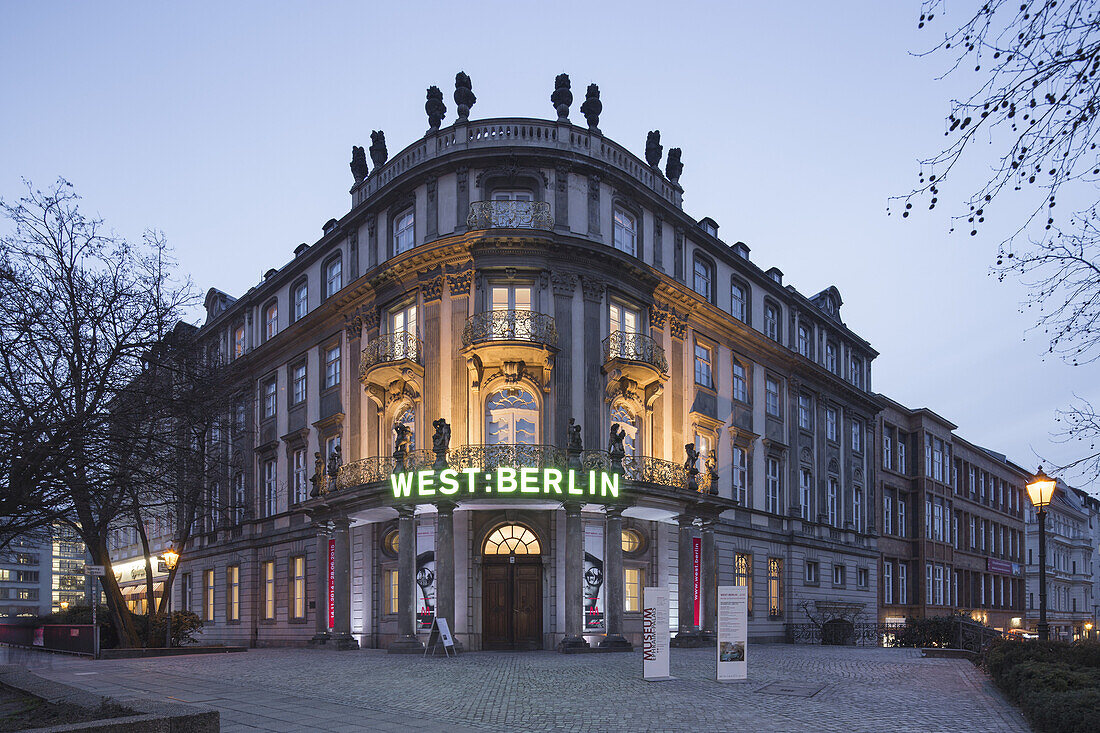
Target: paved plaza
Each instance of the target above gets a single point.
(790, 688)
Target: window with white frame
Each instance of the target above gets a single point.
(771, 321)
(208, 595)
(856, 368)
(903, 583)
(857, 436)
(839, 574)
(804, 341)
(512, 416)
(830, 423)
(772, 486)
(301, 300)
(901, 453)
(805, 411)
(903, 528)
(703, 365)
(740, 382)
(299, 460)
(332, 366)
(298, 384)
(238, 498)
(887, 450)
(622, 318)
(929, 596)
(404, 231)
(333, 277)
(270, 406)
(805, 487)
(703, 277)
(857, 509)
(271, 488)
(832, 489)
(830, 357)
(625, 230)
(811, 571)
(887, 583)
(771, 396)
(739, 302)
(887, 514)
(271, 320)
(740, 475)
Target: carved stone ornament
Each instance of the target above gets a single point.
(653, 148)
(592, 288)
(464, 95)
(677, 326)
(563, 283)
(658, 315)
(673, 168)
(435, 108)
(378, 152)
(459, 282)
(353, 324)
(562, 97)
(359, 168)
(592, 107)
(432, 288)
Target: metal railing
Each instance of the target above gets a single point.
(491, 456)
(510, 215)
(634, 347)
(850, 634)
(503, 325)
(392, 347)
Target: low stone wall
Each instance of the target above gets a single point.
(149, 716)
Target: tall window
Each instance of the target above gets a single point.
(512, 416)
(238, 498)
(269, 589)
(404, 231)
(805, 484)
(771, 396)
(298, 587)
(511, 297)
(703, 277)
(901, 454)
(301, 300)
(300, 494)
(831, 501)
(185, 583)
(233, 585)
(857, 509)
(739, 302)
(903, 528)
(887, 450)
(270, 488)
(887, 583)
(775, 587)
(622, 417)
(624, 231)
(298, 384)
(771, 321)
(271, 320)
(772, 486)
(269, 398)
(332, 366)
(857, 436)
(830, 357)
(740, 382)
(830, 423)
(887, 514)
(740, 475)
(903, 583)
(804, 341)
(633, 582)
(856, 367)
(208, 595)
(238, 342)
(742, 573)
(622, 319)
(805, 410)
(333, 277)
(702, 365)
(391, 595)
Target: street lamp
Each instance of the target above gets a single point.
(1040, 491)
(64, 605)
(171, 557)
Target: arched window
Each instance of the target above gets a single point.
(625, 230)
(512, 539)
(703, 277)
(271, 320)
(512, 416)
(333, 277)
(739, 301)
(404, 229)
(628, 423)
(408, 419)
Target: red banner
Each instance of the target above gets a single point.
(332, 584)
(696, 552)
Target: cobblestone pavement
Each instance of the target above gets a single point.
(859, 690)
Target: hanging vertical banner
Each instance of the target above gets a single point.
(655, 634)
(332, 583)
(593, 577)
(696, 553)
(733, 631)
(425, 575)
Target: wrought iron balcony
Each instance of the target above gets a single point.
(491, 456)
(510, 215)
(400, 346)
(495, 325)
(634, 347)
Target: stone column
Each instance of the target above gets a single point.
(574, 571)
(685, 575)
(709, 579)
(321, 633)
(341, 631)
(613, 582)
(406, 641)
(445, 564)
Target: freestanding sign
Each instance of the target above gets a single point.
(440, 635)
(696, 554)
(733, 628)
(331, 584)
(655, 634)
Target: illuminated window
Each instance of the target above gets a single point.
(269, 589)
(622, 319)
(208, 595)
(633, 582)
(298, 587)
(389, 584)
(633, 542)
(621, 417)
(742, 574)
(512, 539)
(775, 587)
(238, 342)
(512, 417)
(391, 543)
(404, 228)
(271, 320)
(233, 582)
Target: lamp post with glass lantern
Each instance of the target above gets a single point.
(171, 557)
(1040, 490)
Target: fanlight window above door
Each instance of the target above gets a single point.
(512, 539)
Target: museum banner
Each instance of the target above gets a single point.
(332, 584)
(733, 627)
(655, 634)
(696, 554)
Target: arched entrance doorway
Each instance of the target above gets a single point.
(511, 589)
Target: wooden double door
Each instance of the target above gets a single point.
(511, 603)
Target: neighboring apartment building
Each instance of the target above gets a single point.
(1092, 506)
(517, 277)
(38, 574)
(1071, 551)
(128, 560)
(951, 523)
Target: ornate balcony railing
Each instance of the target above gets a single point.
(495, 325)
(489, 456)
(392, 347)
(510, 215)
(634, 347)
(646, 469)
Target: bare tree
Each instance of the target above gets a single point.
(79, 311)
(1034, 100)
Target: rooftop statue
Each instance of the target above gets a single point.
(401, 441)
(574, 437)
(653, 148)
(592, 107)
(673, 168)
(562, 97)
(689, 466)
(616, 449)
(464, 95)
(435, 108)
(712, 471)
(318, 474)
(359, 169)
(378, 152)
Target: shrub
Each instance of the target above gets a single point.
(184, 625)
(931, 631)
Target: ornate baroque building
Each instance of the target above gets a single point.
(540, 289)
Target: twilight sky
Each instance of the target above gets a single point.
(229, 126)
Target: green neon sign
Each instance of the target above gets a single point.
(506, 482)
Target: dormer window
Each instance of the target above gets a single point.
(709, 227)
(404, 228)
